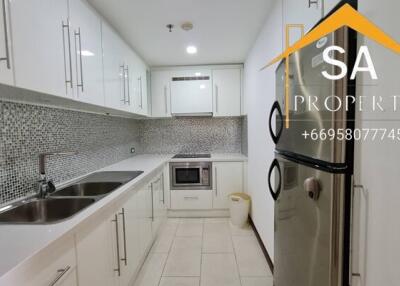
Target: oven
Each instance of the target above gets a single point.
(191, 175)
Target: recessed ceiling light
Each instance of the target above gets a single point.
(191, 50)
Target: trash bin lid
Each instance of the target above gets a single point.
(243, 196)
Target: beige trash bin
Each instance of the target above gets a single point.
(239, 206)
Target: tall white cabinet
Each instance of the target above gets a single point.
(87, 52)
(6, 65)
(226, 92)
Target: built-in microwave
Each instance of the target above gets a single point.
(191, 175)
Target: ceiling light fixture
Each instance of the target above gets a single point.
(187, 26)
(191, 50)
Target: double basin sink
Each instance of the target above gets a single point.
(67, 201)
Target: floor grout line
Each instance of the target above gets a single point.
(234, 253)
(168, 253)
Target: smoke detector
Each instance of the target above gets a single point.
(187, 26)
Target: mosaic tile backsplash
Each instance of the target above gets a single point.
(191, 135)
(28, 130)
(100, 140)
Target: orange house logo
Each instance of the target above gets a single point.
(344, 16)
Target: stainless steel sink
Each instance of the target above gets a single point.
(42, 211)
(90, 189)
(57, 207)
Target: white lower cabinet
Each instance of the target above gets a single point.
(55, 265)
(159, 204)
(95, 248)
(191, 199)
(111, 247)
(227, 179)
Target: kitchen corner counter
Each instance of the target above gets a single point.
(20, 242)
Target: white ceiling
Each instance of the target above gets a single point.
(224, 30)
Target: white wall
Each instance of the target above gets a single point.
(260, 94)
(377, 162)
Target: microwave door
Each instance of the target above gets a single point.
(187, 176)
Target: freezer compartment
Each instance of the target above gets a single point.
(310, 102)
(309, 224)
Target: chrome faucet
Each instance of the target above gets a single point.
(47, 186)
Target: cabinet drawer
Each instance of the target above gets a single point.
(191, 199)
(55, 265)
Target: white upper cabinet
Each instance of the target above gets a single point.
(160, 94)
(199, 91)
(87, 52)
(191, 92)
(138, 84)
(226, 92)
(42, 59)
(6, 66)
(116, 89)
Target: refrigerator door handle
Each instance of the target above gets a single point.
(275, 137)
(275, 193)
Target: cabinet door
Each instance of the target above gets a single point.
(115, 83)
(139, 85)
(227, 179)
(227, 91)
(130, 244)
(145, 219)
(54, 265)
(97, 262)
(42, 59)
(87, 52)
(6, 72)
(160, 94)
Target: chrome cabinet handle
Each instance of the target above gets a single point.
(122, 67)
(141, 91)
(216, 98)
(118, 269)
(163, 191)
(166, 99)
(122, 213)
(61, 273)
(78, 34)
(67, 81)
(216, 182)
(7, 57)
(126, 70)
(152, 202)
(191, 198)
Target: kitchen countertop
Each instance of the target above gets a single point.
(19, 242)
(216, 157)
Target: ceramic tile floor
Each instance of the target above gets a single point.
(205, 252)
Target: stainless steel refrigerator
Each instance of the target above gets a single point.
(312, 186)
